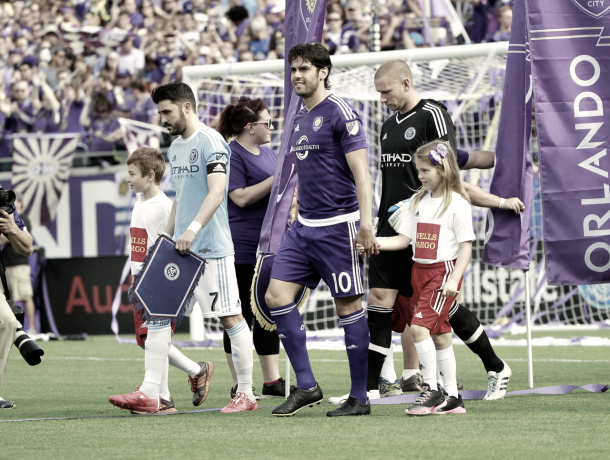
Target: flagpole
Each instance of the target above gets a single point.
(528, 321)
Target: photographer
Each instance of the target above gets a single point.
(13, 228)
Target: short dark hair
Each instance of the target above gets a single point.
(148, 159)
(176, 92)
(235, 117)
(316, 54)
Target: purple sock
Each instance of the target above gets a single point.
(357, 346)
(291, 330)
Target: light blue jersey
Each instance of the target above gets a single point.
(192, 160)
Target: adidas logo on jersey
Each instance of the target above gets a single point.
(385, 136)
(417, 214)
(296, 129)
(419, 315)
(219, 168)
(174, 159)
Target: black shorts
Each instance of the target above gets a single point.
(392, 270)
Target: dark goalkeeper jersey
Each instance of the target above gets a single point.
(401, 135)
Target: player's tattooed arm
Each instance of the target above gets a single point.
(479, 197)
(356, 161)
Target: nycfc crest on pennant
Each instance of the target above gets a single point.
(410, 133)
(595, 8)
(193, 156)
(171, 271)
(352, 127)
(317, 123)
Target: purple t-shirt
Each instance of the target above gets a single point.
(320, 139)
(106, 125)
(462, 158)
(246, 170)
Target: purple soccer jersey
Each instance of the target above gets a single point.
(248, 169)
(320, 139)
(462, 157)
(309, 254)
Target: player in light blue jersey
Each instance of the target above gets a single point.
(199, 159)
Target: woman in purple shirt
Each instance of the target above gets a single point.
(251, 175)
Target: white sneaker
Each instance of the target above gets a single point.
(496, 383)
(338, 400)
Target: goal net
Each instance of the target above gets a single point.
(469, 81)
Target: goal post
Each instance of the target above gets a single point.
(469, 80)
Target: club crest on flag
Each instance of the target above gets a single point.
(352, 127)
(595, 8)
(137, 134)
(317, 123)
(172, 272)
(41, 167)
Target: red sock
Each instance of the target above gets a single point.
(272, 382)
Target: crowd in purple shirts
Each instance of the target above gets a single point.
(78, 65)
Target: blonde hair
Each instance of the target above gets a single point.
(448, 170)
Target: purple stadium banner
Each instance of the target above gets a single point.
(304, 23)
(508, 235)
(570, 51)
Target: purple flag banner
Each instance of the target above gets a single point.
(137, 134)
(41, 167)
(507, 243)
(570, 49)
(304, 23)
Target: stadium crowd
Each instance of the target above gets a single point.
(77, 65)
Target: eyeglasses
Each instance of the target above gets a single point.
(268, 122)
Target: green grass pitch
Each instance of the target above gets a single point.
(75, 379)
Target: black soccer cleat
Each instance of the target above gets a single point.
(275, 390)
(351, 407)
(297, 400)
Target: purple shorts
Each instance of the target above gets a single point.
(309, 254)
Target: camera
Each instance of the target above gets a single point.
(30, 351)
(7, 200)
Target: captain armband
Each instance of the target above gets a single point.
(216, 167)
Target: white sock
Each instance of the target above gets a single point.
(387, 371)
(243, 360)
(155, 359)
(164, 388)
(408, 373)
(427, 357)
(445, 360)
(179, 360)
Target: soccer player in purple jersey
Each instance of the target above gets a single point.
(335, 212)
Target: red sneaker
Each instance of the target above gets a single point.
(165, 407)
(136, 400)
(240, 403)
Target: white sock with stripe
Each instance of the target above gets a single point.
(445, 360)
(427, 357)
(388, 371)
(243, 360)
(177, 359)
(156, 350)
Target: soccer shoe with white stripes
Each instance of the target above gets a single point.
(240, 403)
(387, 388)
(338, 400)
(452, 405)
(165, 407)
(200, 384)
(428, 401)
(136, 401)
(7, 404)
(496, 383)
(351, 407)
(413, 383)
(297, 400)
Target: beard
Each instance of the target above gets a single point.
(177, 128)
